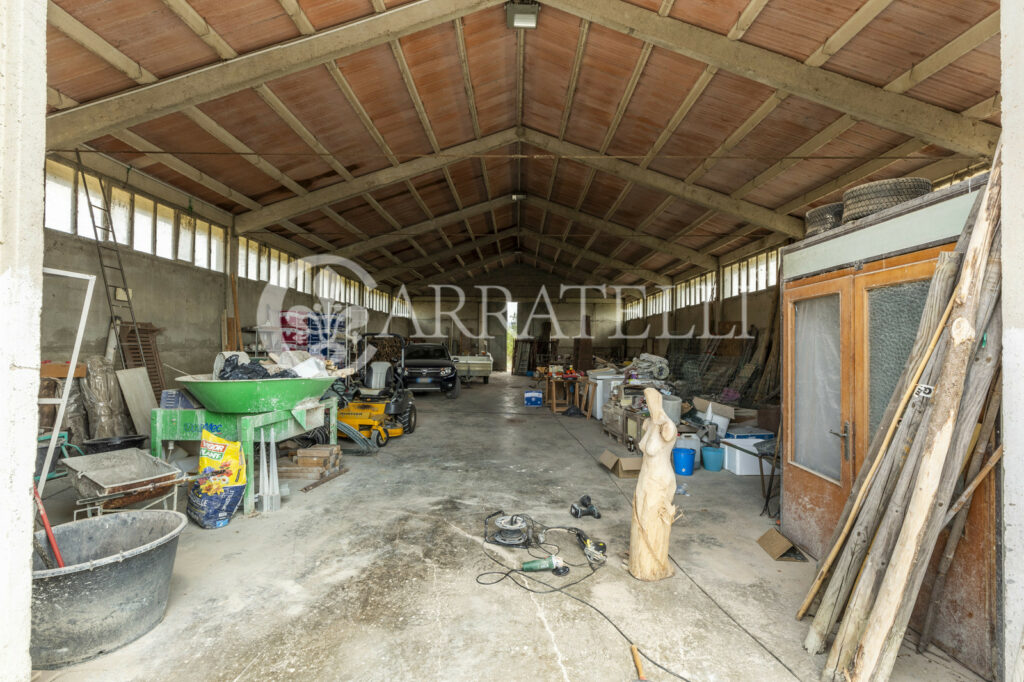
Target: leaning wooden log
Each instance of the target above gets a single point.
(875, 501)
(653, 511)
(872, 573)
(868, 574)
(965, 498)
(872, 469)
(960, 510)
(877, 650)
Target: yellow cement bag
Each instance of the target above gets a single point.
(215, 495)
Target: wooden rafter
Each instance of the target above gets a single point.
(665, 183)
(599, 259)
(866, 102)
(131, 107)
(594, 223)
(457, 250)
(743, 23)
(333, 194)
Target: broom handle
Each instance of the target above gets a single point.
(49, 530)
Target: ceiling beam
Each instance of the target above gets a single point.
(572, 276)
(127, 175)
(457, 250)
(90, 40)
(597, 258)
(650, 241)
(665, 183)
(131, 107)
(104, 50)
(469, 267)
(746, 19)
(861, 100)
(198, 25)
(341, 191)
(424, 227)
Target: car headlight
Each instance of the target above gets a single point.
(446, 371)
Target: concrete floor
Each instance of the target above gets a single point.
(373, 575)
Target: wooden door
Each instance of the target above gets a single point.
(818, 409)
(887, 311)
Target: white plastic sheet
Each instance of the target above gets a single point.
(818, 385)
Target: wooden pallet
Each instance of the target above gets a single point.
(147, 337)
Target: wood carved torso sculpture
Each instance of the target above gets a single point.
(653, 511)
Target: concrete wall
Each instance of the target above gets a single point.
(183, 300)
(22, 144)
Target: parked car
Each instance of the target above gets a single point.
(429, 367)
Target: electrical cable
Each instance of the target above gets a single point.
(688, 576)
(510, 573)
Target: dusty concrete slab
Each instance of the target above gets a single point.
(373, 576)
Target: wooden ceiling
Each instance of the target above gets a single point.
(652, 139)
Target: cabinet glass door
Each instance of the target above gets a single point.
(817, 405)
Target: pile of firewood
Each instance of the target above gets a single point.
(905, 494)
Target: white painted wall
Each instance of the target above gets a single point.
(1013, 332)
(22, 145)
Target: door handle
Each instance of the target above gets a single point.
(845, 435)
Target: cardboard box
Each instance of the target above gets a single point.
(718, 408)
(779, 548)
(623, 467)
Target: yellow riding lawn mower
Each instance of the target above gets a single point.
(379, 407)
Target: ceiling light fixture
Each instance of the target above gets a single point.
(522, 14)
(517, 196)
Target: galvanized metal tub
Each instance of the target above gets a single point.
(251, 396)
(114, 472)
(112, 590)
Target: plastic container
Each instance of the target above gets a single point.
(682, 461)
(713, 458)
(691, 441)
(112, 590)
(673, 405)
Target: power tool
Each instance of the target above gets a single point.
(595, 550)
(584, 508)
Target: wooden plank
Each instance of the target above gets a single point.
(138, 396)
(59, 370)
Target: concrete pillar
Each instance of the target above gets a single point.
(1013, 334)
(22, 147)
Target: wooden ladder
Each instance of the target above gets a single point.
(113, 275)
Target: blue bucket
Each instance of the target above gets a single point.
(682, 461)
(713, 458)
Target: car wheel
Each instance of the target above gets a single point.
(487, 380)
(380, 439)
(456, 389)
(408, 419)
